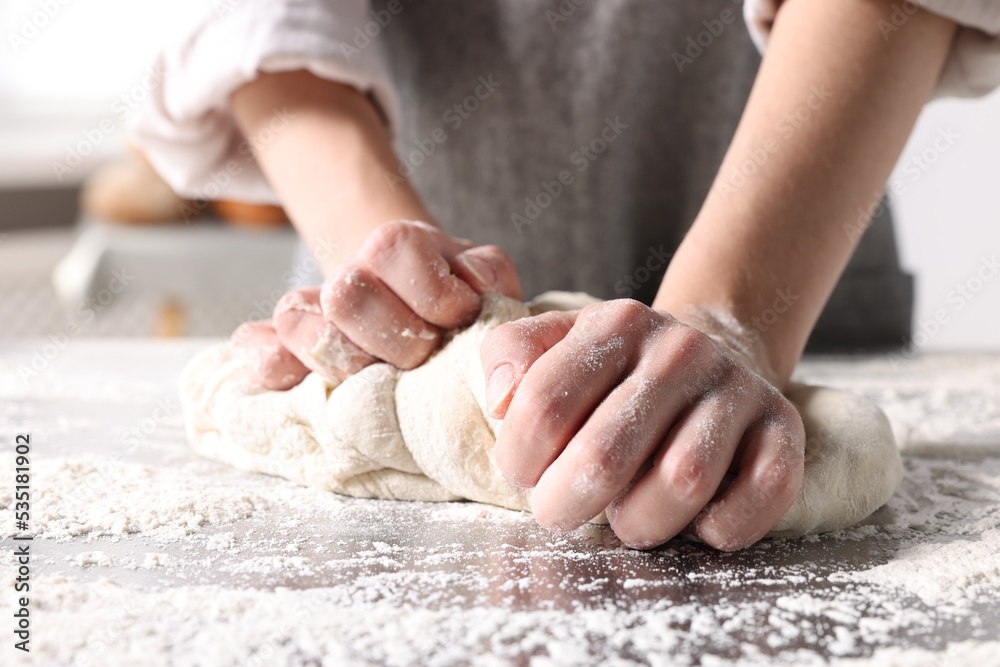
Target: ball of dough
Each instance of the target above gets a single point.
(852, 464)
(423, 434)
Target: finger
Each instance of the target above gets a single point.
(488, 269)
(265, 361)
(686, 473)
(509, 350)
(374, 318)
(606, 453)
(414, 264)
(559, 392)
(319, 345)
(768, 477)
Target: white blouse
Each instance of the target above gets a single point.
(189, 135)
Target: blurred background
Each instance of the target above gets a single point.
(79, 256)
(91, 241)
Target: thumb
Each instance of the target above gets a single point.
(487, 268)
(510, 350)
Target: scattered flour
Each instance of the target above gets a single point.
(93, 498)
(178, 561)
(953, 571)
(91, 558)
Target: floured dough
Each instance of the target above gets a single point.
(423, 434)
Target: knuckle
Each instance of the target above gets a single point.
(688, 478)
(693, 345)
(386, 239)
(779, 481)
(787, 419)
(550, 407)
(603, 467)
(347, 287)
(686, 359)
(620, 314)
(613, 325)
(444, 308)
(547, 411)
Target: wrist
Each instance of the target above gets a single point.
(741, 342)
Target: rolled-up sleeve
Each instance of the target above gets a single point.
(187, 129)
(974, 65)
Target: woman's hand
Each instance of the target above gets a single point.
(408, 283)
(624, 408)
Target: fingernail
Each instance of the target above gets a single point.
(499, 387)
(480, 268)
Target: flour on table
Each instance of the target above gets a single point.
(424, 435)
(449, 584)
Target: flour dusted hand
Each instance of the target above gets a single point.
(424, 434)
(391, 302)
(624, 407)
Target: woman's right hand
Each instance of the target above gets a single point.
(408, 283)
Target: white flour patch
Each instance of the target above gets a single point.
(90, 498)
(955, 571)
(154, 557)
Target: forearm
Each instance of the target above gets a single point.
(333, 166)
(830, 111)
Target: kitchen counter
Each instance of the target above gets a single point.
(146, 554)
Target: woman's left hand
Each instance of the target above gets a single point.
(624, 408)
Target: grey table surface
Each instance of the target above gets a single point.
(300, 576)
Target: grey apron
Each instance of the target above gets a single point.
(582, 136)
